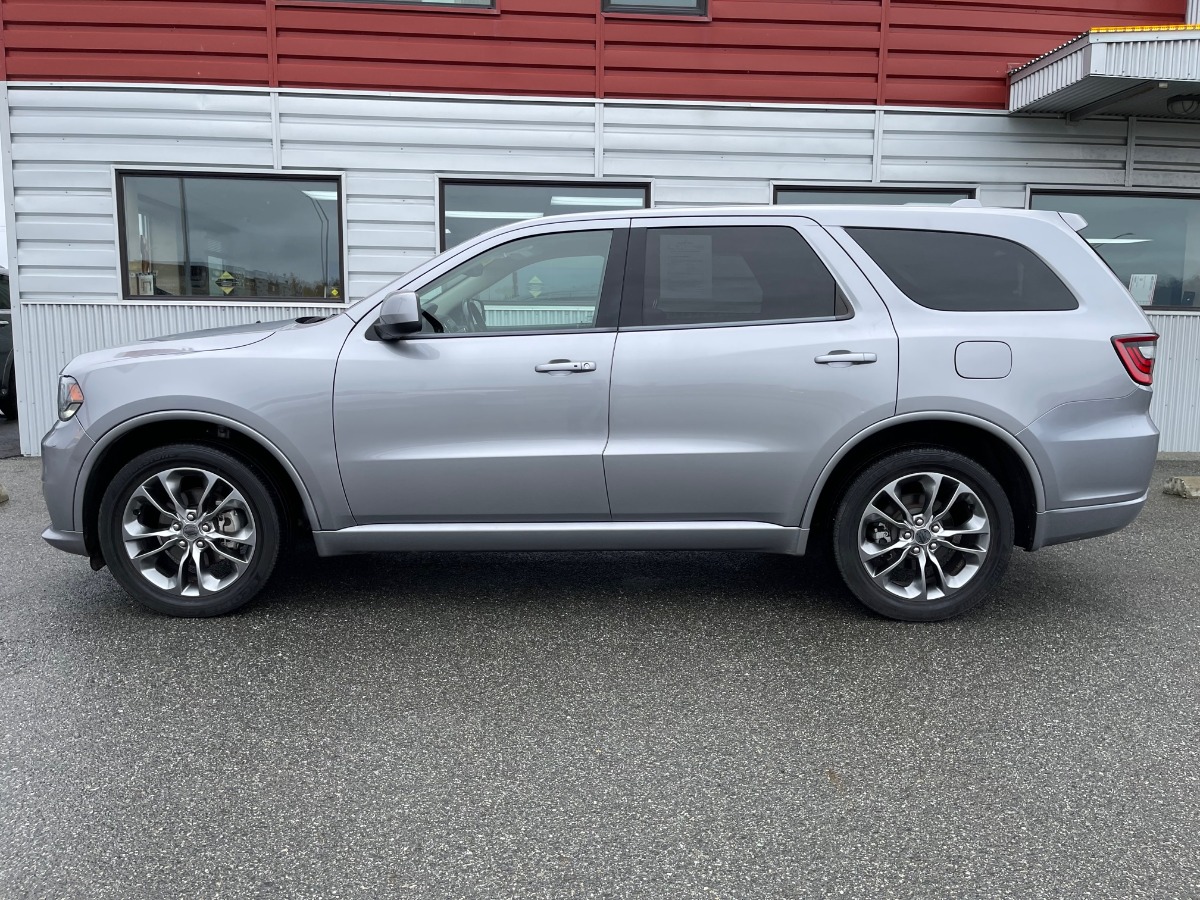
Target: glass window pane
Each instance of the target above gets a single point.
(897, 196)
(262, 238)
(546, 282)
(471, 208)
(1152, 243)
(958, 272)
(695, 7)
(698, 276)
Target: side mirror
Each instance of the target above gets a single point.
(399, 316)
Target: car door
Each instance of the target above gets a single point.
(503, 415)
(750, 350)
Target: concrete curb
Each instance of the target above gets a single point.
(1186, 486)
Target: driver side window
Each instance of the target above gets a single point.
(548, 282)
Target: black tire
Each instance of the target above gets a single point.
(8, 403)
(874, 536)
(241, 508)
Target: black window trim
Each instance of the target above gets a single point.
(646, 187)
(634, 296)
(1120, 191)
(700, 11)
(607, 312)
(335, 178)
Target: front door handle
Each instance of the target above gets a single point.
(845, 358)
(565, 367)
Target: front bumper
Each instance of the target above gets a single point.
(64, 449)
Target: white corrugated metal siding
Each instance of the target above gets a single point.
(67, 141)
(1175, 407)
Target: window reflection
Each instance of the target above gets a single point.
(470, 208)
(897, 196)
(1152, 242)
(232, 237)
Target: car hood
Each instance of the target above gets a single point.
(205, 340)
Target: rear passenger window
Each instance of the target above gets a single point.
(958, 272)
(733, 274)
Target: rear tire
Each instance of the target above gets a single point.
(923, 535)
(190, 530)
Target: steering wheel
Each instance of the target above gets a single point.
(475, 314)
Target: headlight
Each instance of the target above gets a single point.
(70, 397)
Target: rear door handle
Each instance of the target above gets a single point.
(845, 358)
(565, 367)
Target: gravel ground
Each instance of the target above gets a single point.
(608, 725)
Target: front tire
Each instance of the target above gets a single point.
(190, 530)
(923, 535)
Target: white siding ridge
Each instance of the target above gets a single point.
(609, 101)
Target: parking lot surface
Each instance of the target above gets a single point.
(603, 725)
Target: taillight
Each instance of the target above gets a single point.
(1137, 352)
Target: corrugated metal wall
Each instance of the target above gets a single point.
(890, 52)
(66, 142)
(1176, 405)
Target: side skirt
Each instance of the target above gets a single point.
(534, 536)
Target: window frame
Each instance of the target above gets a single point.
(700, 13)
(645, 186)
(336, 178)
(1099, 191)
(634, 297)
(972, 191)
(607, 311)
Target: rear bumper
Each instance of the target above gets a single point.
(1060, 526)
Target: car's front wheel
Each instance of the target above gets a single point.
(923, 535)
(190, 530)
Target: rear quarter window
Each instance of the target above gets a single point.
(957, 272)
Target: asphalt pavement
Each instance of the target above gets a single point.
(642, 725)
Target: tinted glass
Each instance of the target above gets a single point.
(958, 272)
(548, 282)
(1151, 243)
(472, 207)
(887, 196)
(696, 276)
(693, 7)
(4, 300)
(236, 238)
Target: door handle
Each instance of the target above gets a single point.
(565, 367)
(845, 358)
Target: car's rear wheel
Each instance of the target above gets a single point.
(923, 535)
(190, 530)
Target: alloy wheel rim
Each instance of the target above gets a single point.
(189, 532)
(924, 536)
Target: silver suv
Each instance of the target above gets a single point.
(917, 389)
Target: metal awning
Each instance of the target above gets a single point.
(1138, 71)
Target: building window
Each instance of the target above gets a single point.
(673, 7)
(469, 208)
(811, 196)
(1151, 241)
(231, 237)
(477, 4)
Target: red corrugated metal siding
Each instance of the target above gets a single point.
(900, 52)
(959, 52)
(211, 42)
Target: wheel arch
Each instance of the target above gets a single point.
(146, 432)
(983, 441)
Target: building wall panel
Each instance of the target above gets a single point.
(1176, 403)
(891, 52)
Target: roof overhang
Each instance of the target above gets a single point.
(1142, 71)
